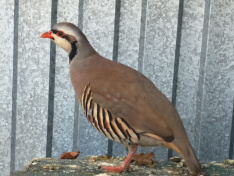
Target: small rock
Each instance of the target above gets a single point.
(175, 159)
(104, 174)
(181, 163)
(73, 166)
(219, 164)
(205, 165)
(105, 164)
(50, 167)
(228, 162)
(169, 171)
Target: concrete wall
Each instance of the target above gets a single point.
(186, 47)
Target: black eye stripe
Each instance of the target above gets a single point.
(54, 31)
(64, 36)
(59, 33)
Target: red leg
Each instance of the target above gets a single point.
(125, 165)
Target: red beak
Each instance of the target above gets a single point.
(47, 35)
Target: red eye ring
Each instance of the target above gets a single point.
(60, 34)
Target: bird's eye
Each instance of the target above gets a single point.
(60, 33)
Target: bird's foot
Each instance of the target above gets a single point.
(125, 166)
(116, 169)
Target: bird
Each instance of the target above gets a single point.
(120, 102)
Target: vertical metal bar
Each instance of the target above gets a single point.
(115, 54)
(80, 12)
(14, 85)
(77, 108)
(199, 105)
(142, 35)
(116, 31)
(51, 84)
(177, 58)
(232, 135)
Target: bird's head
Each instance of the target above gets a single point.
(70, 38)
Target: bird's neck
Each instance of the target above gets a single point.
(81, 50)
(73, 52)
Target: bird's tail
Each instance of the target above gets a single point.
(186, 151)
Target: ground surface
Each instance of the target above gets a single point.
(92, 167)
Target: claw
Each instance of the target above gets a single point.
(125, 166)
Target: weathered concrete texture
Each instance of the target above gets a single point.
(33, 79)
(160, 39)
(64, 101)
(92, 167)
(219, 83)
(6, 55)
(99, 29)
(189, 63)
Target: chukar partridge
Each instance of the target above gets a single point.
(120, 102)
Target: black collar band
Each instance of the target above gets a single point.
(73, 51)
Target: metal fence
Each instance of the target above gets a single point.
(186, 47)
